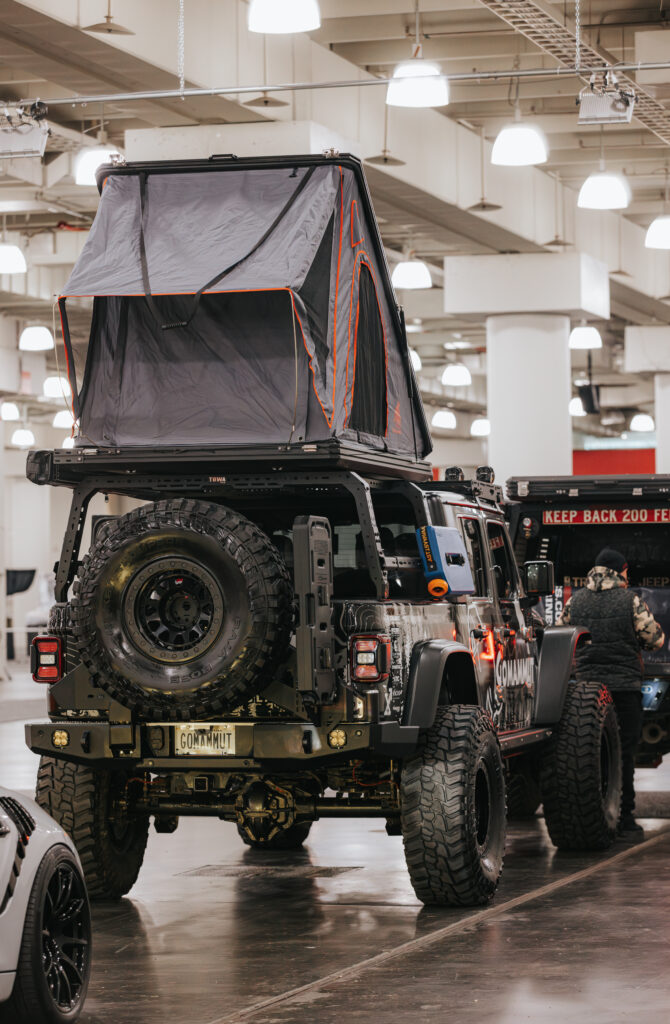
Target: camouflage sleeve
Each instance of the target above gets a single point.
(648, 632)
(564, 617)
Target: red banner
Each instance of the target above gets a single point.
(605, 516)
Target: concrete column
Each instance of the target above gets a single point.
(662, 418)
(529, 389)
(3, 577)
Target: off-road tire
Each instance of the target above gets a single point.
(79, 798)
(288, 839)
(60, 625)
(32, 1000)
(247, 595)
(524, 795)
(581, 771)
(453, 810)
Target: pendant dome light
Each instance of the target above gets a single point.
(456, 375)
(585, 337)
(23, 437)
(658, 232)
(411, 273)
(109, 26)
(642, 423)
(416, 359)
(480, 428)
(604, 190)
(576, 407)
(443, 419)
(36, 339)
(12, 260)
(88, 162)
(282, 17)
(56, 387)
(9, 411)
(519, 144)
(68, 442)
(63, 418)
(417, 82)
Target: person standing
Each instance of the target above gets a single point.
(621, 626)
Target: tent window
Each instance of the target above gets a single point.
(368, 408)
(315, 293)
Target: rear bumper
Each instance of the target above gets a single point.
(256, 744)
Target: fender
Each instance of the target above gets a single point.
(555, 670)
(426, 676)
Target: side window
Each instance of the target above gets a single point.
(472, 535)
(501, 561)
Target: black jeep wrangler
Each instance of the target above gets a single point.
(298, 621)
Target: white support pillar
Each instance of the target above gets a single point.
(662, 418)
(3, 555)
(529, 389)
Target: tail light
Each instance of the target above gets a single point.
(370, 658)
(46, 659)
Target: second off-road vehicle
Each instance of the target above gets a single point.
(298, 621)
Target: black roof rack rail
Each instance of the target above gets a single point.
(578, 488)
(469, 488)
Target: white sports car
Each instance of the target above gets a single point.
(45, 920)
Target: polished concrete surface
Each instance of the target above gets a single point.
(216, 934)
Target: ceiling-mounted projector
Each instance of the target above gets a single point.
(605, 102)
(23, 132)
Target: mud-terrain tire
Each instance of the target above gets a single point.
(288, 839)
(81, 800)
(581, 771)
(452, 795)
(60, 625)
(182, 609)
(524, 795)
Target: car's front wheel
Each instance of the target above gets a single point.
(55, 958)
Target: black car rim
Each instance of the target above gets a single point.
(65, 937)
(173, 609)
(482, 804)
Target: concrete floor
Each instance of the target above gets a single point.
(215, 934)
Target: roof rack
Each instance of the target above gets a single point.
(578, 488)
(481, 487)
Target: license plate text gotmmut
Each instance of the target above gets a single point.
(211, 739)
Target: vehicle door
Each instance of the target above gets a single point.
(514, 650)
(478, 615)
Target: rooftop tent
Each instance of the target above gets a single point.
(238, 302)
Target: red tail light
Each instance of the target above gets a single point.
(370, 658)
(46, 659)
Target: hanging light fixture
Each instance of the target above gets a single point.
(456, 375)
(9, 411)
(12, 260)
(23, 438)
(68, 442)
(56, 387)
(576, 407)
(604, 190)
(484, 205)
(519, 144)
(411, 273)
(36, 339)
(417, 82)
(658, 232)
(265, 99)
(109, 26)
(88, 162)
(384, 159)
(443, 419)
(282, 17)
(63, 418)
(642, 423)
(585, 337)
(559, 215)
(480, 428)
(416, 359)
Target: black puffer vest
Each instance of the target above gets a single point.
(613, 656)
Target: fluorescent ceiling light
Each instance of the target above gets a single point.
(36, 339)
(23, 438)
(658, 233)
(576, 407)
(585, 337)
(9, 411)
(411, 274)
(56, 387)
(642, 423)
(281, 17)
(519, 145)
(417, 83)
(456, 375)
(12, 260)
(63, 419)
(480, 428)
(603, 190)
(416, 359)
(68, 442)
(443, 419)
(88, 162)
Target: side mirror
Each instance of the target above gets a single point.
(538, 578)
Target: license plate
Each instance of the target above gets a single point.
(207, 740)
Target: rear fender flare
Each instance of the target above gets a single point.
(441, 672)
(554, 671)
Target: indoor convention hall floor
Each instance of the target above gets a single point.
(215, 934)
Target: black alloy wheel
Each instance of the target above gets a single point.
(66, 936)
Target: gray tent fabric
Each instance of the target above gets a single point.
(299, 340)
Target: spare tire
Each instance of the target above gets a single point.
(182, 609)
